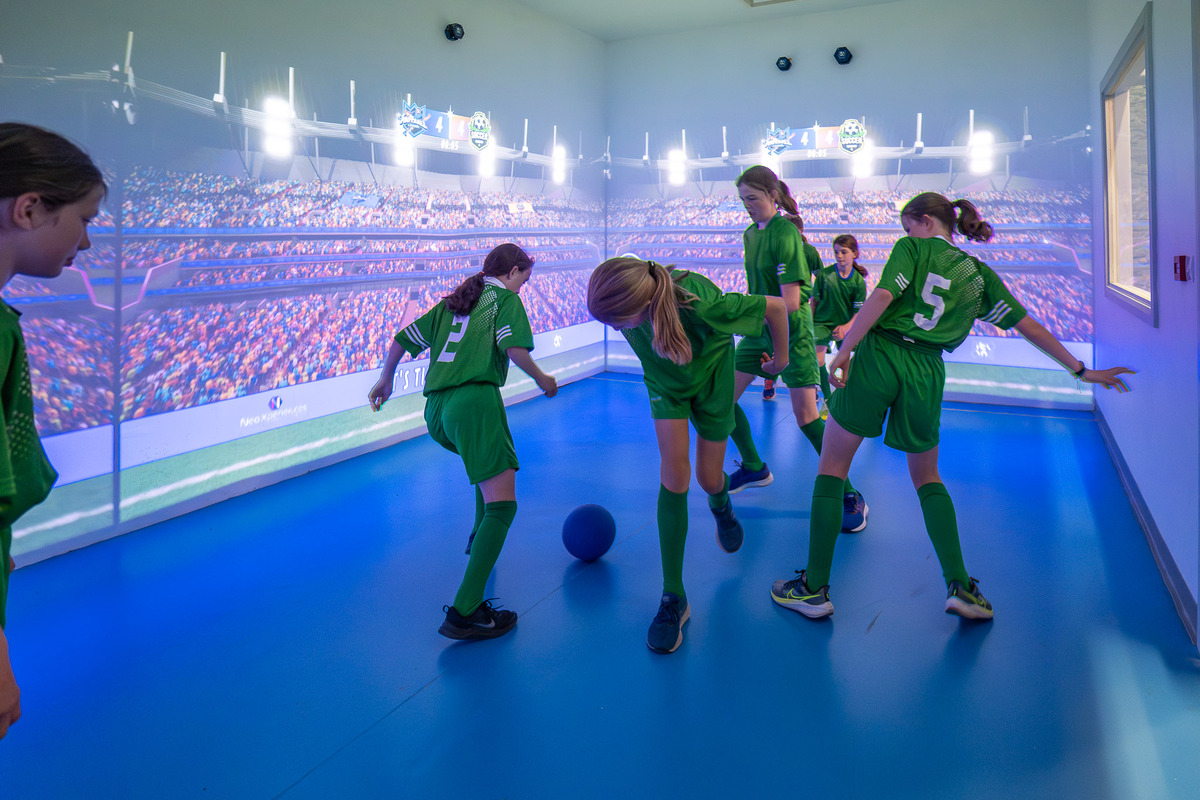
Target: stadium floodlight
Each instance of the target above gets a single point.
(487, 162)
(277, 129)
(862, 163)
(405, 148)
(981, 153)
(558, 164)
(676, 168)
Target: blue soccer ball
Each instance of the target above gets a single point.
(588, 532)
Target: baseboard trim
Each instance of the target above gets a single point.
(1185, 604)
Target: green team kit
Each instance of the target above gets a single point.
(702, 389)
(25, 473)
(775, 256)
(468, 364)
(939, 291)
(838, 299)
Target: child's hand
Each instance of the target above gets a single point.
(839, 332)
(380, 393)
(1108, 378)
(774, 366)
(839, 369)
(548, 385)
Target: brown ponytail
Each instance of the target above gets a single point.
(967, 221)
(499, 262)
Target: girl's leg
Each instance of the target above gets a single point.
(675, 474)
(710, 457)
(478, 517)
(808, 594)
(804, 406)
(940, 520)
(825, 520)
(821, 350)
(743, 438)
(499, 510)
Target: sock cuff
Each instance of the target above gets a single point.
(829, 486)
(505, 510)
(932, 489)
(816, 423)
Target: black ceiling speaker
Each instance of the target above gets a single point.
(842, 55)
(454, 31)
(784, 63)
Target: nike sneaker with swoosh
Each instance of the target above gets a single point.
(485, 622)
(796, 595)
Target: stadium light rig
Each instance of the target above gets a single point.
(277, 130)
(676, 168)
(981, 153)
(862, 163)
(487, 162)
(220, 104)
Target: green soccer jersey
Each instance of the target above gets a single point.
(774, 256)
(709, 323)
(838, 298)
(25, 473)
(812, 263)
(940, 291)
(470, 348)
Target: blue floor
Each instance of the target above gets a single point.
(283, 643)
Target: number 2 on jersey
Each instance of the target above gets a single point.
(457, 330)
(937, 301)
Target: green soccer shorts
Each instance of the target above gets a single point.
(470, 420)
(896, 383)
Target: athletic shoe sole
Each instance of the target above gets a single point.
(687, 614)
(474, 631)
(967, 610)
(767, 481)
(778, 594)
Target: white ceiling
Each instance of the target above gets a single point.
(614, 20)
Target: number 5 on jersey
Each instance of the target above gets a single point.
(457, 330)
(936, 301)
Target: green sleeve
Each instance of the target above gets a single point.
(734, 313)
(512, 323)
(999, 306)
(900, 267)
(417, 336)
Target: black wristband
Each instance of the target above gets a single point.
(1082, 369)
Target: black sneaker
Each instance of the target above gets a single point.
(486, 622)
(666, 632)
(729, 530)
(768, 389)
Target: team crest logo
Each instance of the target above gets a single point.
(777, 141)
(480, 131)
(412, 119)
(852, 136)
(275, 403)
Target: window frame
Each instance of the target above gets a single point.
(1137, 42)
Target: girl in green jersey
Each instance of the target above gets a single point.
(928, 297)
(777, 265)
(681, 327)
(49, 191)
(838, 293)
(471, 335)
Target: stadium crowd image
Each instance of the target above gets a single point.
(249, 380)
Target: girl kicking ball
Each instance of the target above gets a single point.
(681, 327)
